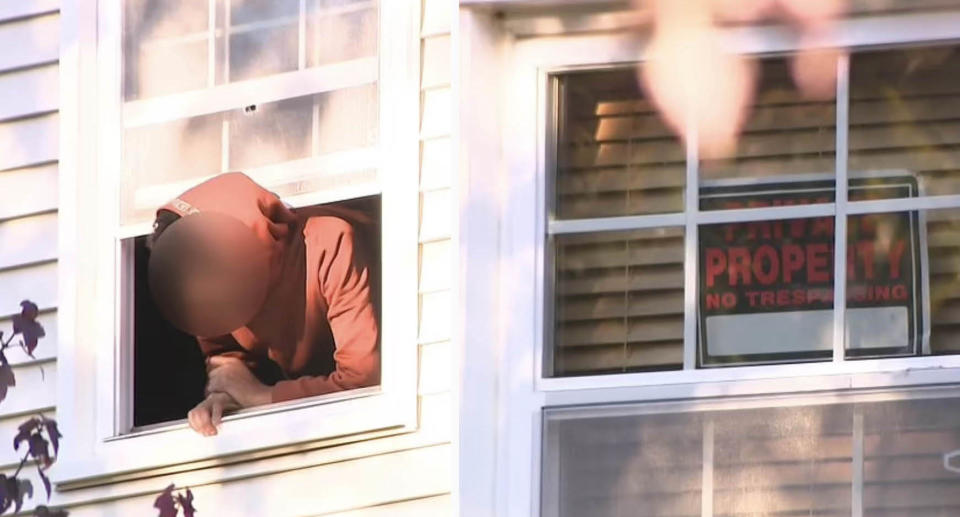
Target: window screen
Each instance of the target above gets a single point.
(746, 462)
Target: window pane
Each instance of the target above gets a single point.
(771, 462)
(615, 156)
(903, 283)
(785, 137)
(340, 30)
(624, 466)
(619, 302)
(185, 150)
(167, 45)
(764, 279)
(907, 447)
(903, 110)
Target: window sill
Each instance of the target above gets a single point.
(280, 428)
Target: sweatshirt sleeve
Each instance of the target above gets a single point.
(344, 277)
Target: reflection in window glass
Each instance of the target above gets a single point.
(615, 156)
(904, 283)
(785, 135)
(903, 109)
(619, 302)
(255, 136)
(788, 461)
(172, 47)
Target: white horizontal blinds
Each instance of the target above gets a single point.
(615, 156)
(784, 134)
(628, 466)
(163, 159)
(904, 448)
(904, 107)
(618, 301)
(184, 45)
(784, 461)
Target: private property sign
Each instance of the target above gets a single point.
(766, 288)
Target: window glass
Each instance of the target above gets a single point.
(904, 105)
(903, 283)
(785, 137)
(619, 302)
(797, 460)
(766, 291)
(183, 151)
(172, 47)
(615, 156)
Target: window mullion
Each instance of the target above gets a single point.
(856, 491)
(840, 219)
(212, 43)
(692, 209)
(706, 484)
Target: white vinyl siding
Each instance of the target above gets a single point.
(29, 140)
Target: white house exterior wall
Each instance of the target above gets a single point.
(408, 474)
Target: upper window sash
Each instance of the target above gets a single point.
(536, 59)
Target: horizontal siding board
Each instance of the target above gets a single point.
(436, 62)
(436, 368)
(436, 166)
(321, 490)
(29, 92)
(436, 266)
(28, 240)
(435, 316)
(28, 191)
(437, 16)
(436, 506)
(436, 217)
(37, 41)
(37, 283)
(29, 141)
(36, 389)
(13, 9)
(437, 117)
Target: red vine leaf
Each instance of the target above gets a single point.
(53, 432)
(45, 480)
(27, 325)
(25, 430)
(7, 379)
(14, 490)
(43, 511)
(165, 503)
(186, 503)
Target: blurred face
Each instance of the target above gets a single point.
(208, 274)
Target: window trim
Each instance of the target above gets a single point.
(91, 383)
(516, 364)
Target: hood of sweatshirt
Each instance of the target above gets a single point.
(210, 270)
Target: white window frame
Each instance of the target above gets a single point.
(526, 59)
(95, 388)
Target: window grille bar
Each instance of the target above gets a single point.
(692, 208)
(856, 492)
(840, 220)
(706, 485)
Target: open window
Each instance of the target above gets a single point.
(315, 101)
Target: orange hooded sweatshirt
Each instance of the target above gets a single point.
(318, 322)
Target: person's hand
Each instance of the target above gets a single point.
(229, 375)
(206, 417)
